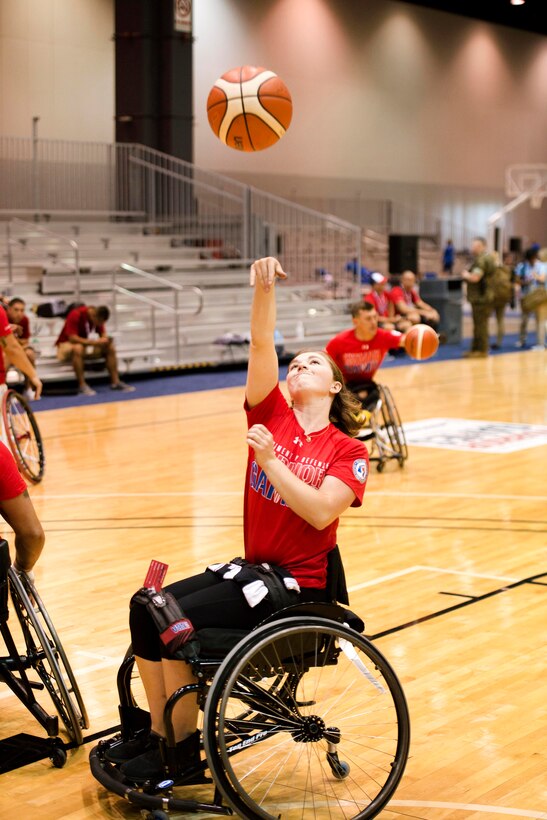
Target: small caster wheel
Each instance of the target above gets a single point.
(341, 770)
(58, 757)
(158, 814)
(380, 466)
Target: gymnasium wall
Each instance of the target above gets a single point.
(57, 63)
(389, 99)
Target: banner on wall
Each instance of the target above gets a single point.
(182, 15)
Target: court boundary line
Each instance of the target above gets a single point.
(199, 493)
(479, 807)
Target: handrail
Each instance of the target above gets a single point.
(174, 285)
(175, 310)
(41, 232)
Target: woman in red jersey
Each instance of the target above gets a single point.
(304, 470)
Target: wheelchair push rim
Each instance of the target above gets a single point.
(331, 738)
(23, 435)
(47, 656)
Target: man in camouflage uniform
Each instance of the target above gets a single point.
(480, 296)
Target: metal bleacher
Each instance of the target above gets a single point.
(167, 247)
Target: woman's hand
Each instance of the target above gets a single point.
(262, 442)
(265, 271)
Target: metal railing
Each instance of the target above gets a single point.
(174, 310)
(41, 243)
(48, 179)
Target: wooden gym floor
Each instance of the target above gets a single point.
(446, 561)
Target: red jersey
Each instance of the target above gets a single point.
(5, 330)
(399, 294)
(78, 323)
(24, 324)
(11, 483)
(273, 532)
(360, 360)
(380, 301)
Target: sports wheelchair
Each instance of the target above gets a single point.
(382, 428)
(44, 654)
(19, 429)
(302, 717)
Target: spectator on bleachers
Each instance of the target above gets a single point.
(84, 337)
(408, 303)
(11, 353)
(379, 296)
(20, 327)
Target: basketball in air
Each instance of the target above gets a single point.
(249, 108)
(421, 342)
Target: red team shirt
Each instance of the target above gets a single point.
(5, 330)
(273, 532)
(359, 360)
(380, 301)
(399, 294)
(78, 323)
(11, 483)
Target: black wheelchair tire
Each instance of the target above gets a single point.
(48, 656)
(27, 448)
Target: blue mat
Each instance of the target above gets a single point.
(164, 384)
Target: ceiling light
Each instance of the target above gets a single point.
(517, 2)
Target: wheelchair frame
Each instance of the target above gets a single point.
(260, 713)
(22, 434)
(384, 431)
(45, 655)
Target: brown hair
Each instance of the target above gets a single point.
(345, 408)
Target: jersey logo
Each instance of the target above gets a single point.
(360, 470)
(298, 441)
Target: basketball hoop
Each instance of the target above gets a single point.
(527, 182)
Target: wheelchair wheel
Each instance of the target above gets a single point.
(389, 432)
(329, 737)
(46, 655)
(23, 436)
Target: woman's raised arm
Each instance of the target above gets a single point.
(263, 369)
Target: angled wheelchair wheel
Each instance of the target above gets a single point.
(46, 655)
(23, 436)
(388, 429)
(305, 717)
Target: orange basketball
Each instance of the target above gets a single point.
(421, 342)
(249, 108)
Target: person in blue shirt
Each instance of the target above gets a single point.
(449, 254)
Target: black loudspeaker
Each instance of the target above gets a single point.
(515, 244)
(403, 253)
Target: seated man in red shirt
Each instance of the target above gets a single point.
(379, 296)
(20, 327)
(360, 351)
(11, 353)
(84, 337)
(408, 303)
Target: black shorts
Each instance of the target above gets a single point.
(208, 601)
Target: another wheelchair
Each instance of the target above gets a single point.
(302, 717)
(382, 428)
(44, 655)
(21, 433)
